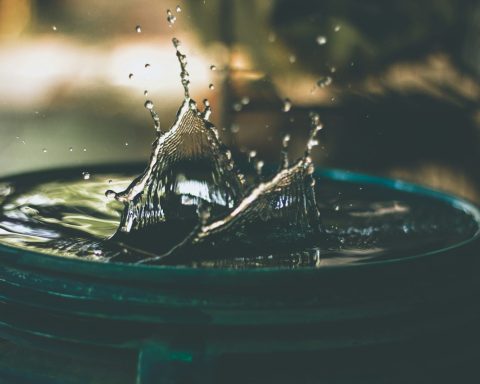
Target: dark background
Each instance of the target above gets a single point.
(403, 100)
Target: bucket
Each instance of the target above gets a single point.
(406, 319)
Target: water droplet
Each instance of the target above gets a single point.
(176, 42)
(171, 18)
(321, 40)
(211, 86)
(138, 29)
(252, 154)
(178, 9)
(259, 166)
(324, 81)
(86, 175)
(337, 28)
(147, 65)
(337, 208)
(237, 107)
(130, 76)
(234, 128)
(292, 59)
(70, 149)
(286, 140)
(97, 252)
(213, 67)
(84, 149)
(54, 27)
(126, 143)
(110, 181)
(145, 93)
(44, 150)
(312, 143)
(287, 105)
(148, 104)
(333, 69)
(272, 37)
(110, 194)
(245, 100)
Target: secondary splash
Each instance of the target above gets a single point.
(192, 194)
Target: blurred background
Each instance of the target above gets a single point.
(396, 83)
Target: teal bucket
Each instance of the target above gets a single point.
(407, 319)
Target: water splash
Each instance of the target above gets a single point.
(277, 212)
(193, 193)
(188, 164)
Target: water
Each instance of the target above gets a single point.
(321, 40)
(193, 205)
(62, 214)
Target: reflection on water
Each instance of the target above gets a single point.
(72, 218)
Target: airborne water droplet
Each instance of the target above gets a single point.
(176, 42)
(138, 29)
(110, 194)
(292, 59)
(259, 167)
(171, 18)
(86, 175)
(70, 149)
(211, 86)
(44, 150)
(130, 76)
(178, 9)
(148, 104)
(312, 143)
(153, 198)
(147, 65)
(337, 28)
(321, 40)
(287, 105)
(324, 81)
(54, 27)
(145, 93)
